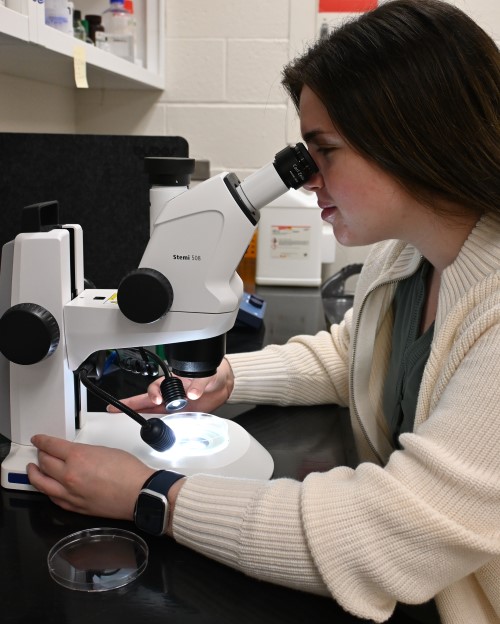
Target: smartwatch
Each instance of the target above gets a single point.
(151, 508)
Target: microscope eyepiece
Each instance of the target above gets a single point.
(169, 170)
(294, 165)
(291, 168)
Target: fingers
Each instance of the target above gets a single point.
(139, 402)
(196, 387)
(216, 389)
(45, 484)
(51, 466)
(88, 479)
(150, 402)
(48, 476)
(56, 447)
(154, 392)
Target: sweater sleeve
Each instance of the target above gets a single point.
(236, 521)
(371, 536)
(431, 517)
(307, 370)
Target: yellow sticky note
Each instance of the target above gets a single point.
(80, 64)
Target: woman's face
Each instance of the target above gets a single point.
(363, 203)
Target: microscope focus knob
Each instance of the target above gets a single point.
(28, 333)
(145, 295)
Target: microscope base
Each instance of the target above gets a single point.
(242, 457)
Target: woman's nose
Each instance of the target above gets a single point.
(315, 182)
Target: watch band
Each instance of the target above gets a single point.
(161, 481)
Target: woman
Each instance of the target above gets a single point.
(400, 110)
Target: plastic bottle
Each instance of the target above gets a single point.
(116, 19)
(119, 28)
(86, 26)
(129, 6)
(56, 14)
(78, 28)
(70, 9)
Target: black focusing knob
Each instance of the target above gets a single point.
(145, 295)
(28, 333)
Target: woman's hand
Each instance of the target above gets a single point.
(91, 480)
(205, 394)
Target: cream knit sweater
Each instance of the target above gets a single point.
(405, 525)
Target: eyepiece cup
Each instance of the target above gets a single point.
(294, 165)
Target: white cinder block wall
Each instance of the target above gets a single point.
(222, 90)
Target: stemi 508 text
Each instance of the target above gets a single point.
(186, 257)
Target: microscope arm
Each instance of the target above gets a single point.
(196, 244)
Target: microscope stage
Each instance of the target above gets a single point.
(204, 443)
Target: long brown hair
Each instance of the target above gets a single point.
(414, 86)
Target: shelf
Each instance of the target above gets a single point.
(30, 49)
(14, 27)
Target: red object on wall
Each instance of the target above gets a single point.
(346, 6)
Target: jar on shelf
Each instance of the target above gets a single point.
(95, 26)
(57, 15)
(79, 31)
(119, 31)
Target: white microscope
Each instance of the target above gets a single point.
(185, 293)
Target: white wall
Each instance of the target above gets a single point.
(30, 106)
(222, 90)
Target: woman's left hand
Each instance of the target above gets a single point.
(91, 480)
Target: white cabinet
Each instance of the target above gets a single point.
(32, 50)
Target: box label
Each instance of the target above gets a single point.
(290, 242)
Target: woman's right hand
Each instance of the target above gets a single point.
(204, 394)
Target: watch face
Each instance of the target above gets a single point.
(151, 513)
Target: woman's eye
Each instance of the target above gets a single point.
(325, 150)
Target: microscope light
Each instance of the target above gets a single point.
(173, 394)
(157, 434)
(154, 431)
(176, 404)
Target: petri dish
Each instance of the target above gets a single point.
(98, 559)
(196, 433)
